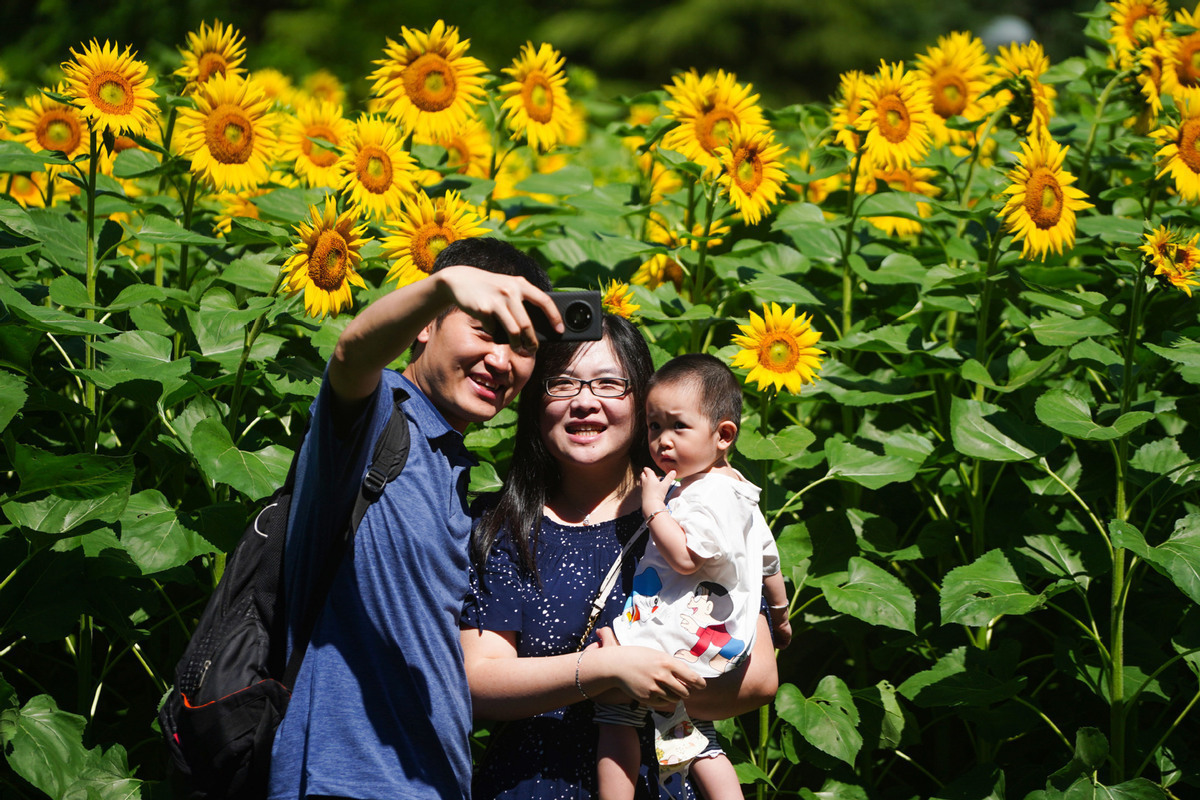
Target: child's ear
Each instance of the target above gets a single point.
(726, 433)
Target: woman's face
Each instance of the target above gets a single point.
(586, 430)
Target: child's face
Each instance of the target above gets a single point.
(681, 437)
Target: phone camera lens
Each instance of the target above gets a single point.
(578, 316)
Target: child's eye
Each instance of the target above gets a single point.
(680, 426)
(653, 426)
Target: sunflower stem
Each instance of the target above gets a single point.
(1085, 170)
(976, 154)
(90, 262)
(184, 278)
(847, 245)
(985, 303)
(710, 196)
(235, 403)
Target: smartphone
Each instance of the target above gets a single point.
(581, 315)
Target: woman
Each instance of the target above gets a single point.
(558, 525)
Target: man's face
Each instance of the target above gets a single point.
(465, 373)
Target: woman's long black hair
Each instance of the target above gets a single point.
(534, 475)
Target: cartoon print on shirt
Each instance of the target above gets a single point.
(644, 601)
(711, 608)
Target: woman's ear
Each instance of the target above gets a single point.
(726, 432)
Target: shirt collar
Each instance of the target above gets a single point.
(429, 420)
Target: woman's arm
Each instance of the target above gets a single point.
(746, 688)
(505, 686)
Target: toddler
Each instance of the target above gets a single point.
(710, 559)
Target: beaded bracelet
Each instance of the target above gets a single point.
(579, 685)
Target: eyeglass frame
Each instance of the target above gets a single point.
(580, 383)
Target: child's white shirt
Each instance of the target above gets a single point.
(721, 519)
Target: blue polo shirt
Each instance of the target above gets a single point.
(380, 708)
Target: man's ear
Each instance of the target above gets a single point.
(726, 432)
(426, 332)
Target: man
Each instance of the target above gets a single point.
(381, 708)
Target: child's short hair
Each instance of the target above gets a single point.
(720, 393)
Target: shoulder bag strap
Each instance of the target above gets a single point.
(606, 585)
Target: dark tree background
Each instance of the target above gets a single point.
(791, 50)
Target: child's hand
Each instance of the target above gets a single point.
(781, 628)
(654, 490)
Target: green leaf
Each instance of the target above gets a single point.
(828, 720)
(133, 162)
(160, 230)
(105, 776)
(977, 593)
(51, 320)
(810, 233)
(1125, 535)
(1089, 350)
(1060, 330)
(1068, 413)
(16, 157)
(778, 289)
(57, 515)
(62, 237)
(1165, 457)
(786, 443)
(895, 268)
(569, 180)
(865, 468)
(46, 747)
(1182, 351)
(1091, 747)
(16, 219)
(874, 595)
(13, 395)
(748, 773)
(485, 479)
(1136, 789)
(220, 328)
(984, 431)
(75, 477)
(156, 537)
(882, 716)
(289, 205)
(1179, 556)
(255, 474)
(963, 677)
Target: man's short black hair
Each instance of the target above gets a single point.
(492, 255)
(717, 388)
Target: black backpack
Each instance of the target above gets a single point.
(232, 684)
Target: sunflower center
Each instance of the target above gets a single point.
(229, 134)
(747, 170)
(893, 118)
(1043, 198)
(1188, 69)
(318, 154)
(327, 261)
(428, 242)
(429, 83)
(211, 64)
(949, 95)
(1189, 144)
(123, 143)
(779, 352)
(537, 96)
(374, 169)
(715, 127)
(58, 130)
(457, 157)
(111, 93)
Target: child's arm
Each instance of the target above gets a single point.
(775, 592)
(668, 534)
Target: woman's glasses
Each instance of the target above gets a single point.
(562, 386)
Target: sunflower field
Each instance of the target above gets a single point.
(960, 293)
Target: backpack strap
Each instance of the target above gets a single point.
(391, 453)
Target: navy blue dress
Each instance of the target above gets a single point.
(553, 756)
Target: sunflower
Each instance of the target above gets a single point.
(1180, 155)
(1152, 76)
(1042, 202)
(216, 50)
(536, 105)
(229, 135)
(316, 164)
(427, 83)
(913, 179)
(660, 268)
(710, 111)
(956, 73)
(1128, 17)
(617, 298)
(425, 229)
(275, 85)
(896, 117)
(752, 172)
(847, 108)
(779, 349)
(376, 172)
(1032, 104)
(1173, 256)
(44, 124)
(468, 149)
(325, 261)
(323, 85)
(112, 88)
(1182, 55)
